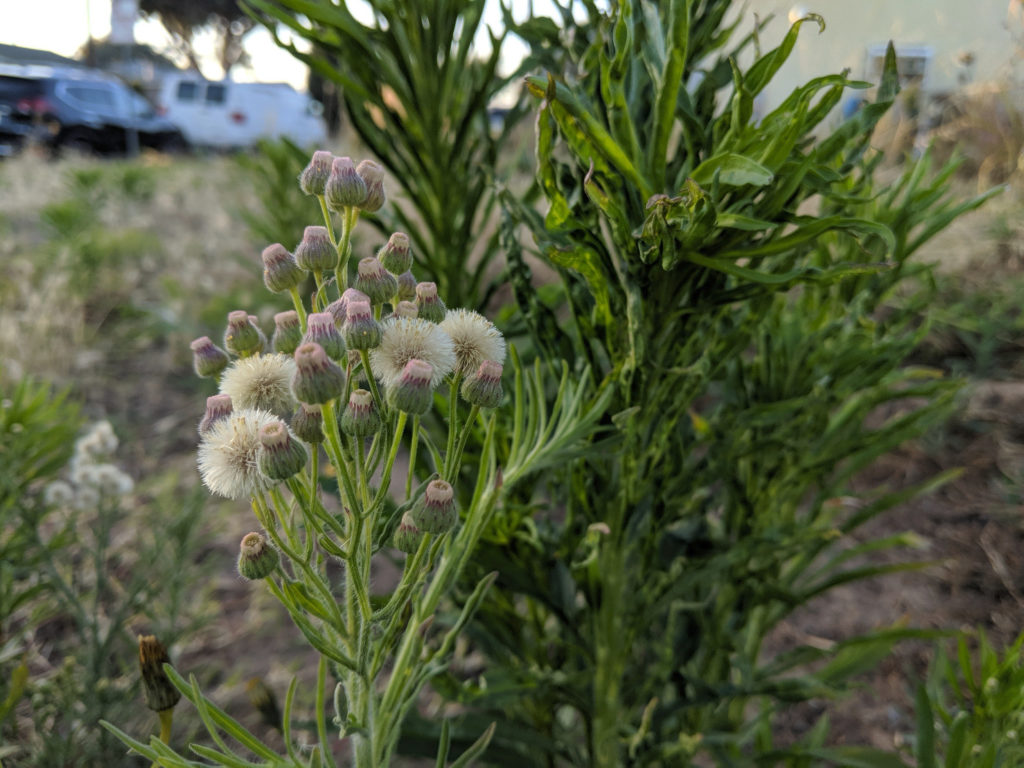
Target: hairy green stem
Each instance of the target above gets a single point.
(456, 461)
(336, 454)
(453, 417)
(381, 405)
(300, 308)
(412, 454)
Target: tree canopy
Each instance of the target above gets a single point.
(183, 18)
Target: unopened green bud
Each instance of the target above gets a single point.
(320, 328)
(483, 388)
(317, 379)
(287, 332)
(412, 393)
(375, 281)
(280, 272)
(345, 187)
(242, 336)
(280, 457)
(207, 358)
(430, 305)
(396, 256)
(339, 308)
(308, 423)
(314, 177)
(405, 309)
(264, 342)
(256, 558)
(360, 417)
(315, 253)
(373, 176)
(407, 535)
(217, 407)
(406, 287)
(158, 689)
(434, 511)
(361, 330)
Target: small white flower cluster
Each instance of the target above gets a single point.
(92, 478)
(318, 358)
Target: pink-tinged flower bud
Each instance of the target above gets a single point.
(160, 693)
(373, 176)
(375, 281)
(314, 177)
(315, 253)
(320, 328)
(256, 558)
(242, 336)
(412, 393)
(345, 187)
(360, 417)
(405, 309)
(361, 330)
(483, 388)
(264, 342)
(287, 332)
(434, 511)
(280, 272)
(406, 287)
(407, 535)
(430, 305)
(207, 358)
(308, 423)
(317, 379)
(280, 457)
(339, 308)
(217, 407)
(396, 256)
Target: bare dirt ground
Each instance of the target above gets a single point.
(970, 529)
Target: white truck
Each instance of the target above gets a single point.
(225, 114)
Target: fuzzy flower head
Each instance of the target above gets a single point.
(262, 382)
(107, 479)
(411, 338)
(229, 454)
(96, 445)
(475, 339)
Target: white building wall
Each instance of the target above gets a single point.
(989, 31)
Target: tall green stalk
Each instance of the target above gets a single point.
(418, 96)
(381, 649)
(739, 326)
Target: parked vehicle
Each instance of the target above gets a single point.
(77, 107)
(228, 115)
(13, 134)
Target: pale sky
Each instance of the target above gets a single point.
(62, 26)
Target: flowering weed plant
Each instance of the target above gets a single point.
(374, 367)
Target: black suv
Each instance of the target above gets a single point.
(80, 108)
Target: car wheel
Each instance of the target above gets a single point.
(76, 141)
(174, 145)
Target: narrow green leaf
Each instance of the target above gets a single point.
(443, 744)
(732, 170)
(924, 747)
(476, 749)
(668, 87)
